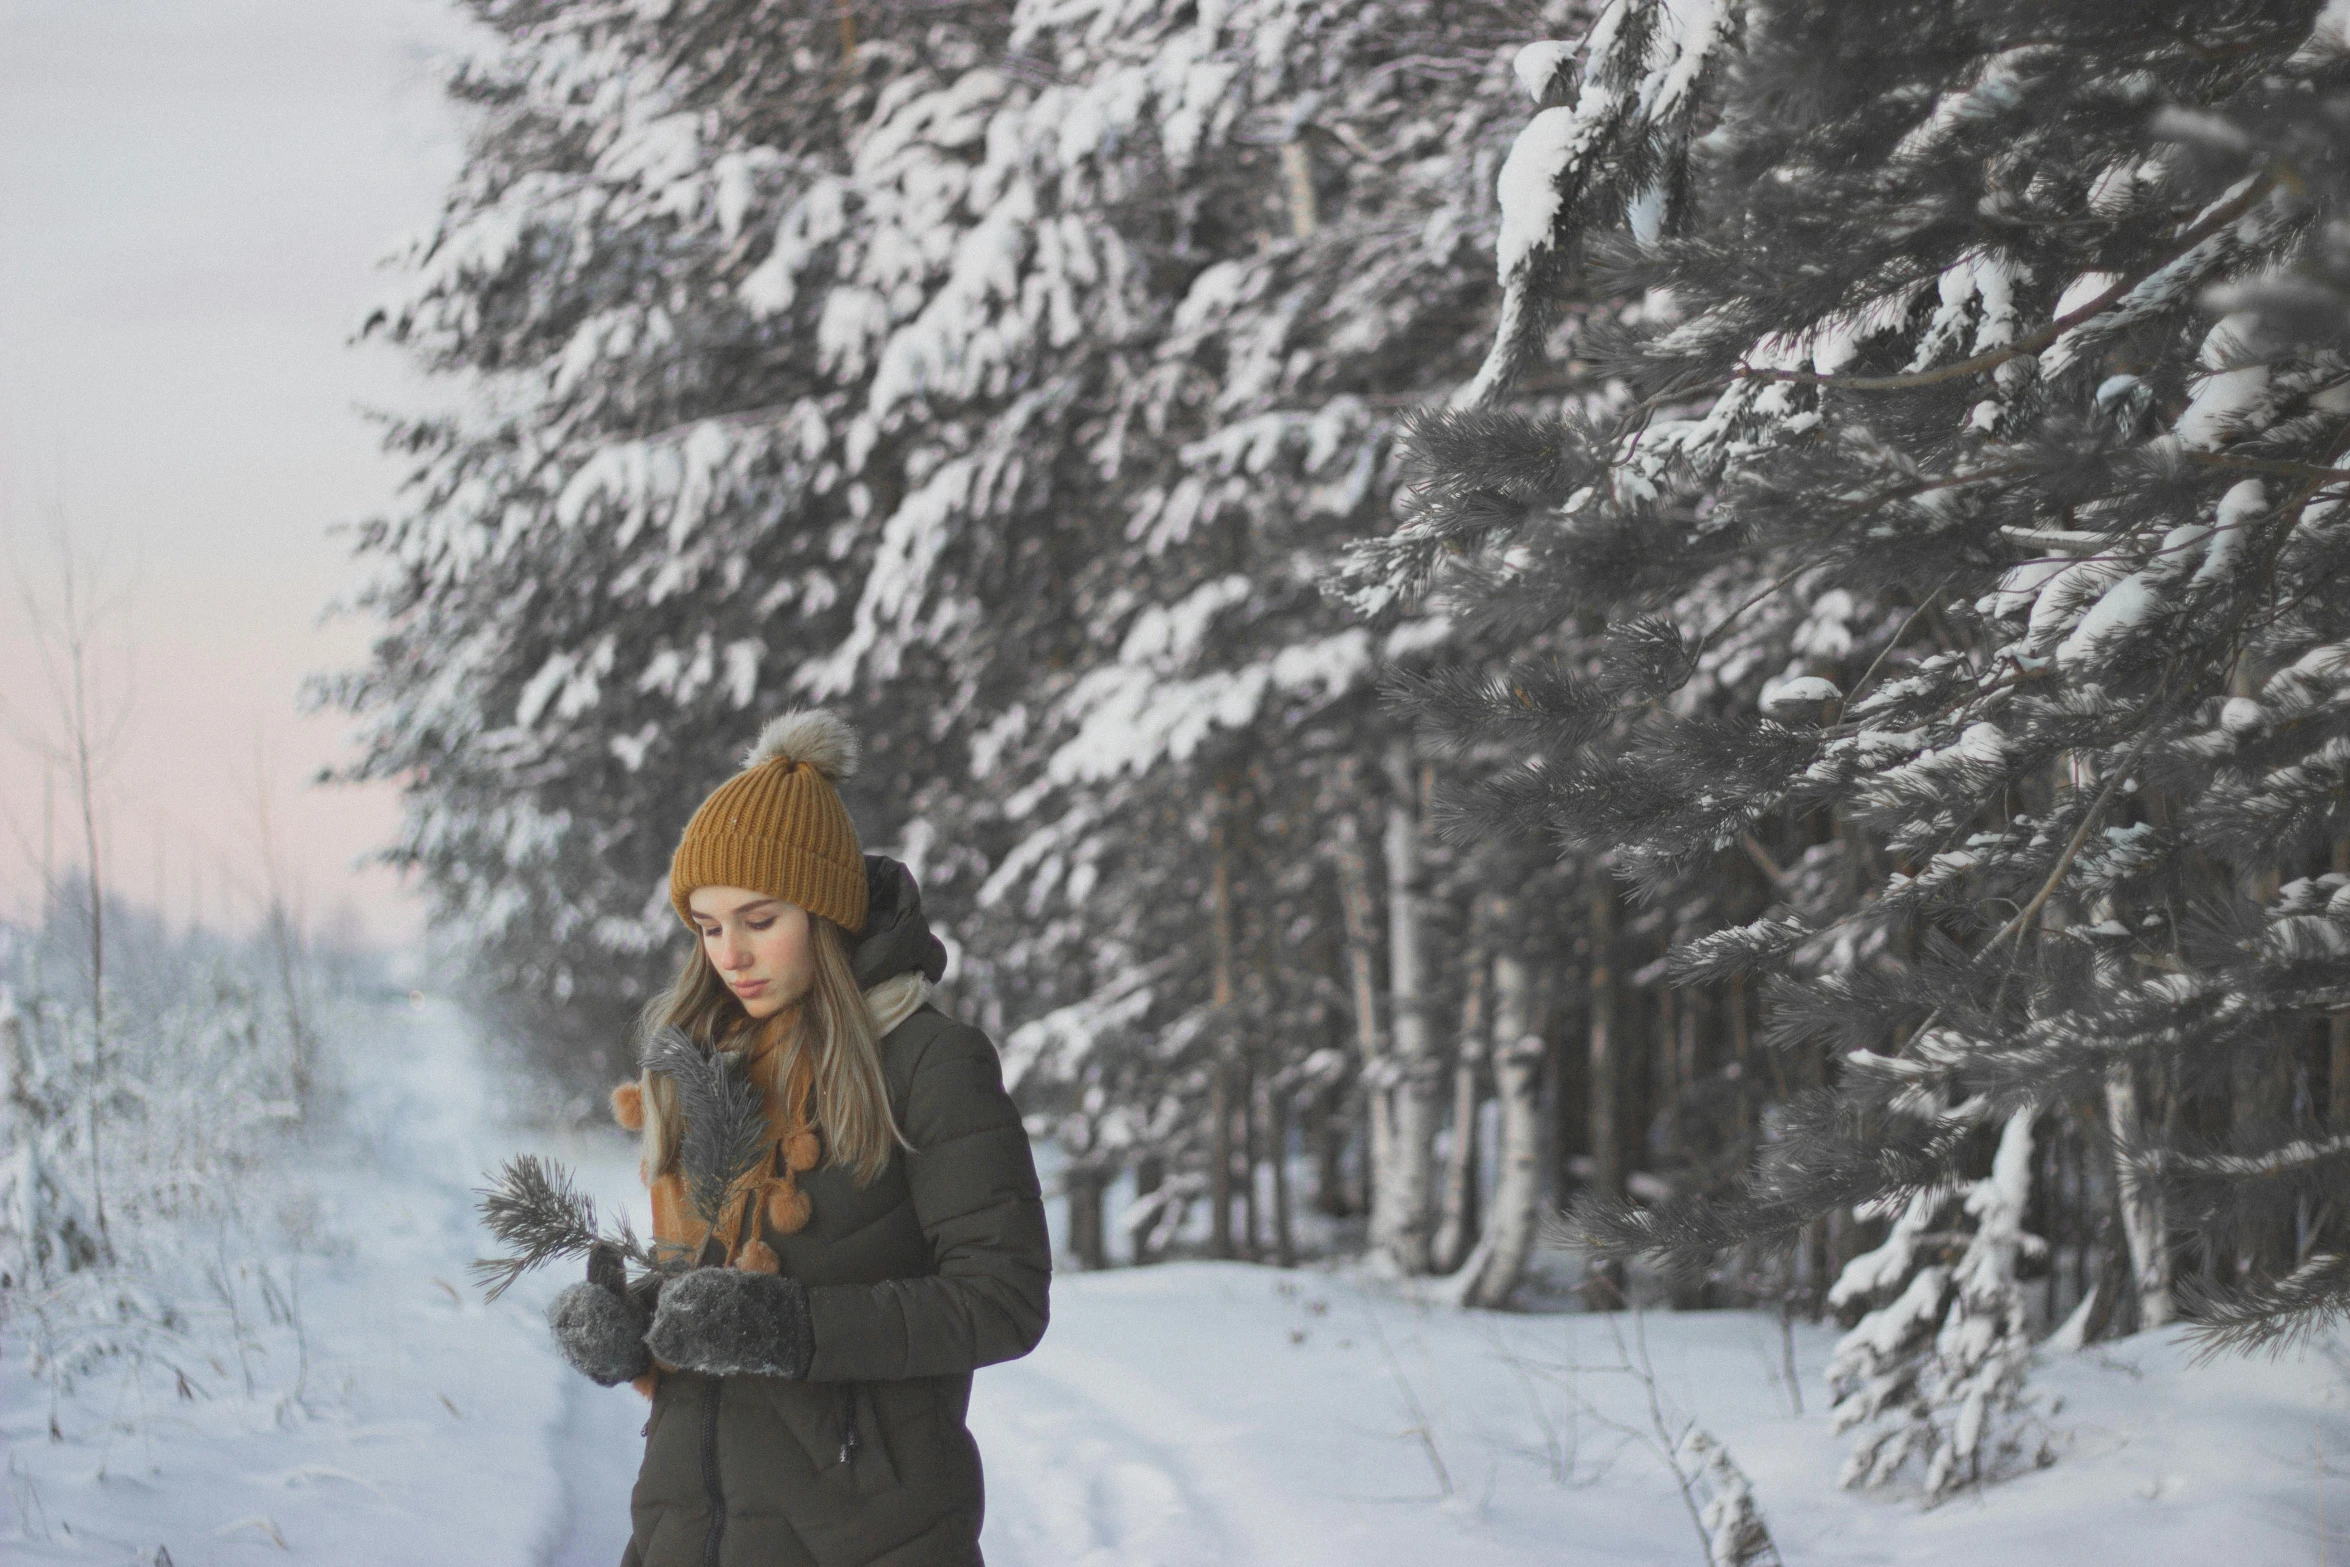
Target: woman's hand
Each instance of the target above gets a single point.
(725, 1322)
(599, 1327)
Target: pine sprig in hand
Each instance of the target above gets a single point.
(533, 1208)
(725, 1134)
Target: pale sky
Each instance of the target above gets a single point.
(194, 199)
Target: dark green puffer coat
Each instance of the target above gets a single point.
(936, 1268)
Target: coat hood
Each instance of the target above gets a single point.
(897, 939)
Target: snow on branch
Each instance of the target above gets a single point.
(1618, 145)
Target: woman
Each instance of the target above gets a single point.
(810, 1376)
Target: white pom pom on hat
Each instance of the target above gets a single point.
(812, 736)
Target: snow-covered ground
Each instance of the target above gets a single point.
(404, 1422)
(1191, 1413)
(1225, 1413)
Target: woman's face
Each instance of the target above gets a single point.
(759, 945)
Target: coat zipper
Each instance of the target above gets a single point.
(848, 1422)
(710, 1485)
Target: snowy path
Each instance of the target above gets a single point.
(1191, 1415)
(408, 1422)
(596, 1447)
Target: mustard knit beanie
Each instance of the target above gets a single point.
(779, 827)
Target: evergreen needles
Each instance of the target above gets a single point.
(725, 1134)
(539, 1215)
(2270, 1316)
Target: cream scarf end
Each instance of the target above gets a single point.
(895, 999)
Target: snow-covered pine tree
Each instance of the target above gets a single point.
(1971, 487)
(1935, 1368)
(1731, 1519)
(1284, 181)
(654, 505)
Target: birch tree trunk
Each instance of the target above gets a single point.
(1456, 1227)
(2141, 1204)
(1402, 1207)
(1273, 1116)
(1493, 1270)
(2144, 1228)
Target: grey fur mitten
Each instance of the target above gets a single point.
(726, 1322)
(600, 1327)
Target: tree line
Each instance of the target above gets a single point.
(1703, 611)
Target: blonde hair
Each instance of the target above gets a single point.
(833, 1021)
